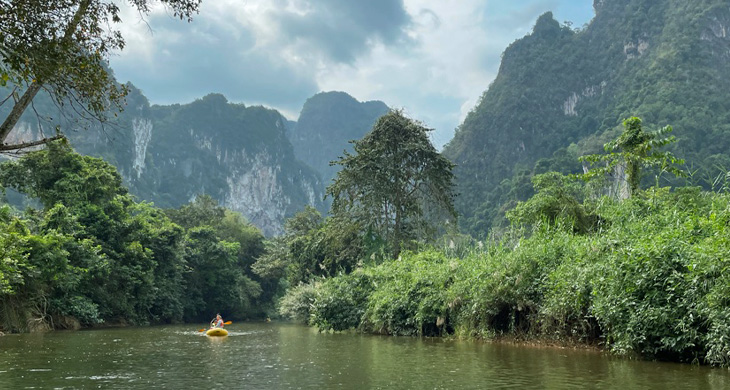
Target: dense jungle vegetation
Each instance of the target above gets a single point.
(89, 254)
(652, 281)
(642, 276)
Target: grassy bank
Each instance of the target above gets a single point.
(653, 280)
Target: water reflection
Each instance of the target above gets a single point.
(284, 356)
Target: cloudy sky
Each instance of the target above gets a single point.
(432, 58)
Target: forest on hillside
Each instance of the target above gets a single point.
(563, 92)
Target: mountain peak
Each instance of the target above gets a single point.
(328, 121)
(546, 24)
(559, 91)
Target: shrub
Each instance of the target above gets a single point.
(296, 305)
(410, 295)
(340, 302)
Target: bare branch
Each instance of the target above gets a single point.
(15, 89)
(25, 145)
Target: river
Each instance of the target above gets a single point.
(287, 356)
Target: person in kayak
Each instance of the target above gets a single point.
(217, 322)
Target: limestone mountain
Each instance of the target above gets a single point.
(562, 92)
(327, 122)
(169, 154)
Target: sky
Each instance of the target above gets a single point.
(431, 58)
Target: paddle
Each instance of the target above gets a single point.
(225, 323)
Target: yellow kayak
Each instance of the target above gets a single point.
(216, 332)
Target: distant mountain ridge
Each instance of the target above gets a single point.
(561, 93)
(241, 156)
(170, 154)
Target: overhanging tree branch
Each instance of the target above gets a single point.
(25, 145)
(62, 47)
(35, 86)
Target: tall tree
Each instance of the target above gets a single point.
(395, 184)
(633, 150)
(63, 46)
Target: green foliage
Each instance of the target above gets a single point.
(211, 280)
(220, 248)
(653, 282)
(44, 269)
(312, 247)
(395, 184)
(410, 296)
(502, 290)
(297, 303)
(637, 151)
(557, 201)
(339, 303)
(274, 261)
(13, 260)
(61, 176)
(203, 210)
(95, 255)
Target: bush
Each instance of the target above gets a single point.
(81, 308)
(410, 295)
(296, 305)
(340, 302)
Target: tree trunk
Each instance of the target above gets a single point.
(22, 104)
(397, 235)
(18, 110)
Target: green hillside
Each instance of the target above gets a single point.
(561, 93)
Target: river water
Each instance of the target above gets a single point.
(286, 356)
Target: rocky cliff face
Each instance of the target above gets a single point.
(240, 155)
(169, 154)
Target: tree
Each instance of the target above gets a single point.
(60, 175)
(637, 150)
(220, 247)
(139, 248)
(312, 247)
(202, 211)
(62, 46)
(395, 184)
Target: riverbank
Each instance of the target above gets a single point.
(654, 282)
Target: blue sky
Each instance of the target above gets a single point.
(432, 58)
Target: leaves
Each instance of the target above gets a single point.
(637, 150)
(395, 183)
(95, 254)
